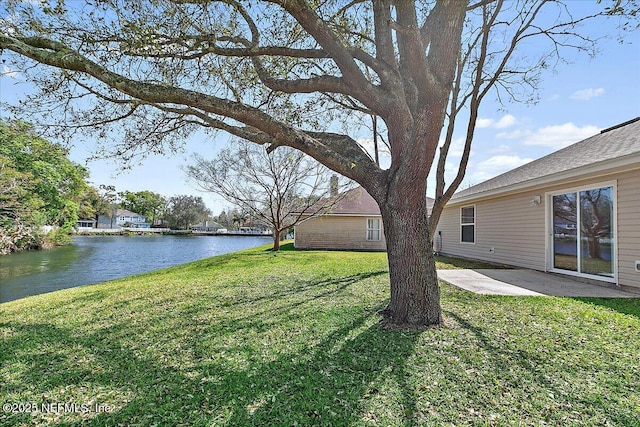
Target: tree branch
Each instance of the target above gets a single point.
(383, 37)
(337, 151)
(361, 88)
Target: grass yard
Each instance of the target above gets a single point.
(292, 339)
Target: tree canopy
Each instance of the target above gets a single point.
(39, 186)
(147, 203)
(301, 74)
(185, 210)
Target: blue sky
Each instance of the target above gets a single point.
(576, 101)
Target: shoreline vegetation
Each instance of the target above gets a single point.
(129, 232)
(20, 238)
(294, 338)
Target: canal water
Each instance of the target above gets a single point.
(93, 259)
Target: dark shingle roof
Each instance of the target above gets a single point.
(612, 143)
(358, 202)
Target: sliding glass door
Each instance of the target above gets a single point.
(565, 232)
(583, 239)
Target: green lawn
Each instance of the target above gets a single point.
(258, 339)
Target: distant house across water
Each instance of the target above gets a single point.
(123, 218)
(86, 223)
(206, 226)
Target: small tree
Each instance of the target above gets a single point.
(18, 225)
(14, 191)
(223, 219)
(182, 211)
(279, 189)
(238, 218)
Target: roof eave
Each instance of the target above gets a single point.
(631, 161)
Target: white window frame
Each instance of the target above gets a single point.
(550, 230)
(463, 224)
(370, 230)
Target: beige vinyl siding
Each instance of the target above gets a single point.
(337, 232)
(629, 228)
(515, 228)
(511, 226)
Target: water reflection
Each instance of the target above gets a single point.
(93, 259)
(27, 263)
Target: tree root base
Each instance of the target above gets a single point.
(390, 323)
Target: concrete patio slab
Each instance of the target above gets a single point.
(527, 282)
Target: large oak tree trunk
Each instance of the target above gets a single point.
(415, 292)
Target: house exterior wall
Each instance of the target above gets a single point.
(511, 230)
(337, 232)
(629, 228)
(134, 220)
(510, 225)
(107, 222)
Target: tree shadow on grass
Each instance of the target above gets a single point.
(293, 295)
(324, 286)
(285, 247)
(210, 375)
(630, 306)
(539, 372)
(325, 387)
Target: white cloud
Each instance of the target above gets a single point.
(503, 162)
(505, 122)
(483, 123)
(495, 166)
(500, 149)
(587, 94)
(556, 136)
(559, 136)
(9, 72)
(450, 171)
(515, 134)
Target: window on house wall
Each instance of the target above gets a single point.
(468, 224)
(373, 229)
